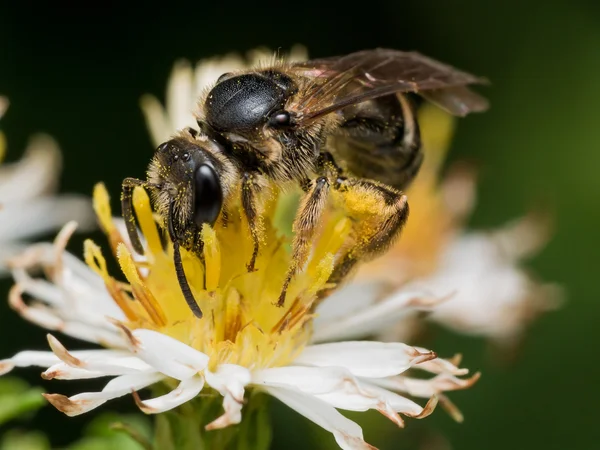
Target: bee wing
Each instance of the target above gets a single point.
(347, 80)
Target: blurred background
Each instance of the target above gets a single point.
(78, 75)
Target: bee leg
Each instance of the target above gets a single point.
(305, 226)
(179, 269)
(127, 211)
(249, 193)
(378, 213)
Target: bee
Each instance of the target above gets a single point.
(343, 126)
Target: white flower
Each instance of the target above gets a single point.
(488, 293)
(476, 275)
(187, 83)
(28, 204)
(244, 340)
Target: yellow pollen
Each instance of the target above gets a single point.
(212, 257)
(241, 323)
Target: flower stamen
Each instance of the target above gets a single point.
(140, 291)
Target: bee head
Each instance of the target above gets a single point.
(186, 185)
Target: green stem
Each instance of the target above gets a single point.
(183, 428)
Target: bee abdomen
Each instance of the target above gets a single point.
(381, 141)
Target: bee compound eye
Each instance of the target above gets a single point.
(280, 119)
(208, 195)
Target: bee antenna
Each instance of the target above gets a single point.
(179, 270)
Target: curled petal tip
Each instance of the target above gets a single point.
(390, 414)
(5, 367)
(456, 359)
(49, 374)
(59, 350)
(451, 409)
(421, 357)
(131, 339)
(141, 405)
(71, 407)
(427, 409)
(15, 298)
(471, 381)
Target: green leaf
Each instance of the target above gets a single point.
(18, 399)
(112, 431)
(21, 440)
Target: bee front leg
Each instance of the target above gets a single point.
(378, 214)
(250, 191)
(304, 228)
(127, 211)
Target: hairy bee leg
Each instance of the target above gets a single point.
(379, 213)
(179, 269)
(304, 228)
(249, 193)
(127, 211)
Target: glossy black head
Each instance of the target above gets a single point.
(245, 102)
(181, 167)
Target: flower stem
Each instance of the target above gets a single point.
(183, 428)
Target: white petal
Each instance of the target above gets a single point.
(167, 355)
(310, 380)
(493, 297)
(157, 121)
(347, 433)
(230, 380)
(180, 98)
(50, 319)
(9, 250)
(372, 317)
(347, 301)
(425, 388)
(441, 365)
(117, 387)
(74, 289)
(39, 215)
(62, 371)
(108, 362)
(27, 359)
(231, 416)
(371, 397)
(186, 391)
(364, 358)
(339, 388)
(34, 175)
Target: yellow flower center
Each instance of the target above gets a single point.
(241, 323)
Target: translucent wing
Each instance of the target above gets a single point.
(346, 80)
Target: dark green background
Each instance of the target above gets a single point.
(78, 75)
